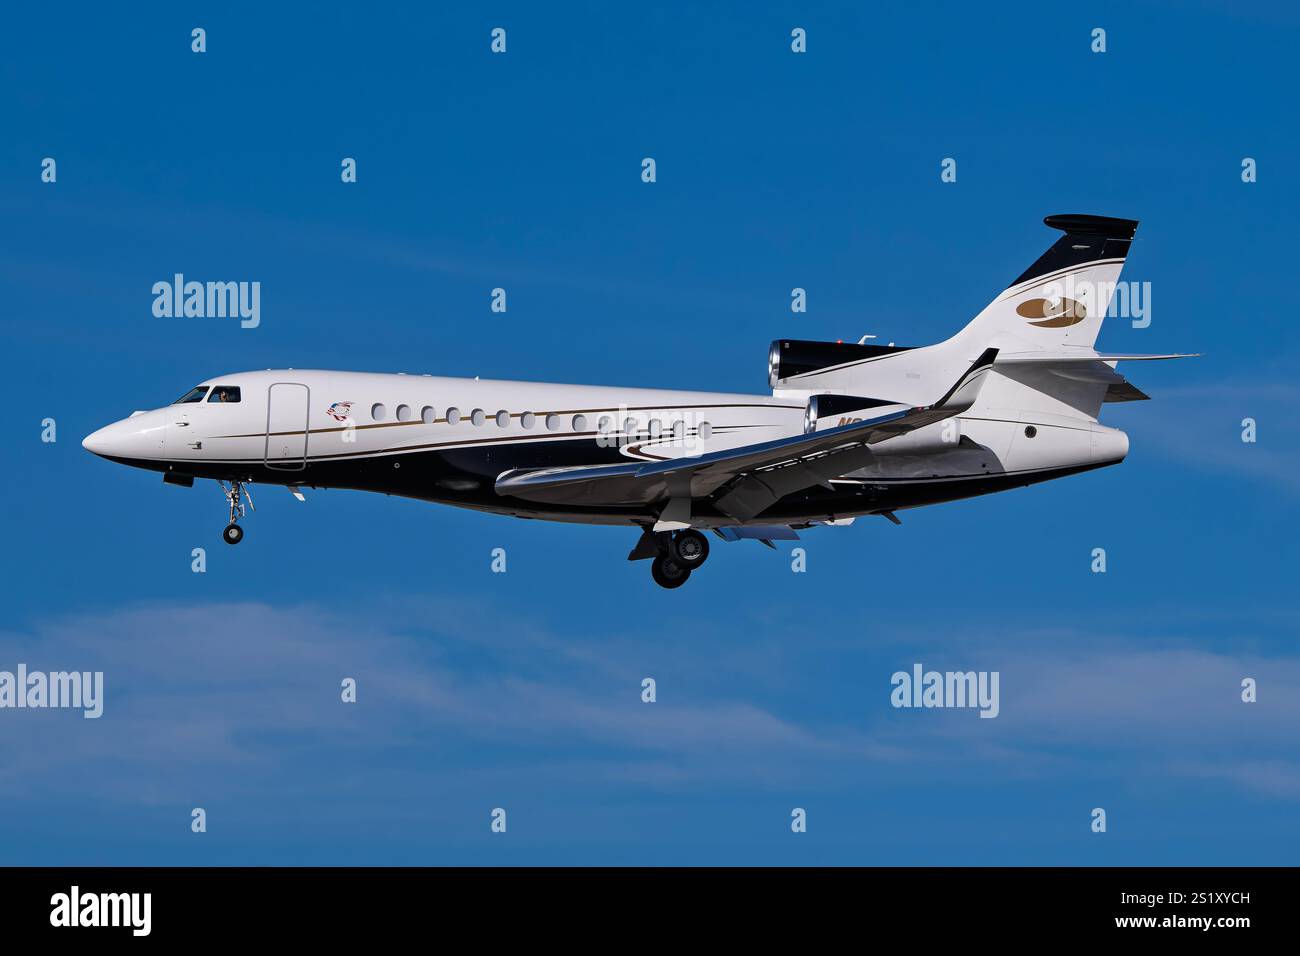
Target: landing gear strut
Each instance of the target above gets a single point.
(236, 494)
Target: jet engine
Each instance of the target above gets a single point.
(831, 411)
(789, 357)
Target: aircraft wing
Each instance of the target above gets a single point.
(746, 480)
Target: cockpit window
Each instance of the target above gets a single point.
(224, 393)
(193, 395)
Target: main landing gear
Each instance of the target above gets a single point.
(677, 556)
(236, 493)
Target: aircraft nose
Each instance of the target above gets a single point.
(140, 436)
(97, 442)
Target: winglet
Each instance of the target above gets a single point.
(963, 394)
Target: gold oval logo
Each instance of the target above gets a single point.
(1054, 313)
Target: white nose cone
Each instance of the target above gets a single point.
(96, 442)
(141, 436)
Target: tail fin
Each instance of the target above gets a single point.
(1062, 298)
(1056, 306)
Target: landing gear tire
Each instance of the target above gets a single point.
(669, 572)
(233, 534)
(690, 548)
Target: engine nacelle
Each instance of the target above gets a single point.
(831, 411)
(790, 357)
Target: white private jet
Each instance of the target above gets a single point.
(1012, 399)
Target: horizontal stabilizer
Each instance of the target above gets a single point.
(1082, 355)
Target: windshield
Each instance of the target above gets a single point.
(193, 395)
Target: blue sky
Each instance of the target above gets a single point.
(522, 690)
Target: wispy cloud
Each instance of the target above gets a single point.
(1201, 427)
(197, 692)
(1093, 704)
(242, 697)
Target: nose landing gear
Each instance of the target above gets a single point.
(235, 493)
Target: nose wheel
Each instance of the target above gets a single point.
(237, 495)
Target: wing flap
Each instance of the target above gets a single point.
(759, 532)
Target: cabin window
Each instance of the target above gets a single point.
(656, 427)
(226, 394)
(428, 415)
(706, 430)
(478, 417)
(579, 423)
(528, 419)
(378, 412)
(453, 415)
(553, 423)
(193, 395)
(679, 429)
(605, 424)
(503, 418)
(629, 426)
(403, 413)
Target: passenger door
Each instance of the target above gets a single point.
(287, 409)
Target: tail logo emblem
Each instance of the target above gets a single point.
(1054, 313)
